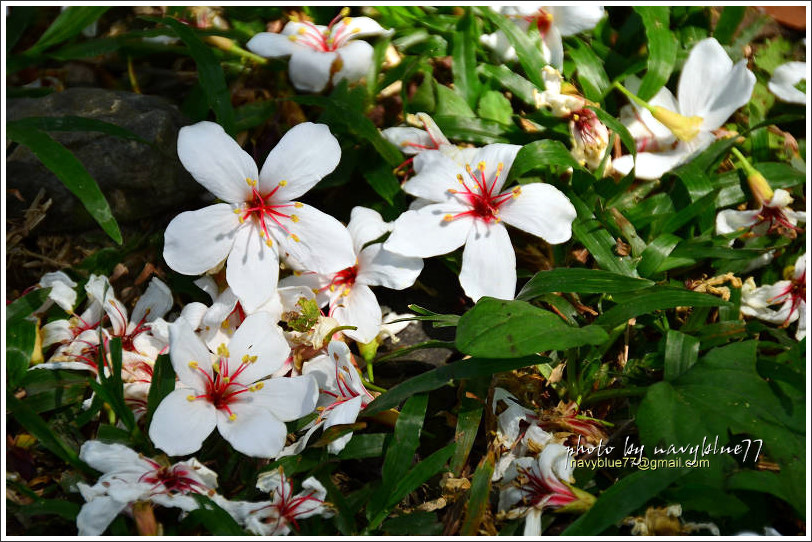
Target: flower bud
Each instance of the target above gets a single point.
(684, 128)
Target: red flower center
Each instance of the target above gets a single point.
(263, 211)
(777, 220)
(172, 479)
(222, 389)
(477, 194)
(549, 493)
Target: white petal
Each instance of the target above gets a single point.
(179, 426)
(208, 285)
(186, 347)
(379, 267)
(258, 336)
(366, 225)
(196, 241)
(254, 432)
(222, 306)
(96, 515)
(800, 334)
(154, 303)
(356, 59)
(784, 79)
(541, 209)
(653, 165)
(287, 398)
(271, 45)
(360, 309)
(346, 412)
(310, 70)
(736, 92)
(216, 161)
(117, 313)
(553, 48)
(56, 332)
(253, 268)
(359, 27)
(424, 233)
(574, 19)
(436, 174)
(493, 155)
(488, 263)
(532, 523)
(728, 221)
(305, 154)
(62, 289)
(324, 244)
(409, 140)
(112, 457)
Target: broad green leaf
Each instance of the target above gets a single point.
(254, 114)
(217, 521)
(451, 104)
(655, 298)
(23, 307)
(383, 181)
(728, 23)
(473, 130)
(478, 498)
(681, 352)
(47, 389)
(210, 73)
(509, 80)
(582, 281)
(431, 380)
(591, 74)
(497, 328)
(68, 24)
(494, 106)
(528, 52)
(416, 523)
(541, 154)
(626, 496)
(163, 383)
(463, 58)
(364, 445)
(687, 214)
(51, 507)
(70, 171)
(662, 49)
(656, 253)
(21, 338)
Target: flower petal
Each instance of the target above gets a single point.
(254, 432)
(111, 457)
(154, 303)
(216, 161)
(571, 20)
(488, 263)
(62, 289)
(271, 45)
(346, 412)
(258, 336)
(408, 139)
(185, 347)
(736, 92)
(379, 267)
(179, 426)
(356, 59)
(252, 271)
(310, 70)
(287, 398)
(366, 225)
(305, 154)
(553, 48)
(784, 79)
(359, 27)
(196, 241)
(541, 209)
(324, 245)
(652, 165)
(359, 308)
(436, 174)
(493, 155)
(424, 233)
(728, 221)
(96, 515)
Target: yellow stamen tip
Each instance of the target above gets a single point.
(193, 365)
(332, 287)
(298, 205)
(226, 380)
(242, 220)
(346, 292)
(259, 385)
(452, 191)
(356, 30)
(301, 31)
(467, 168)
(268, 243)
(481, 166)
(292, 37)
(283, 183)
(294, 237)
(344, 11)
(448, 218)
(190, 398)
(346, 20)
(294, 218)
(225, 324)
(500, 166)
(232, 417)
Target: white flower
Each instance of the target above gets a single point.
(590, 139)
(790, 294)
(784, 79)
(412, 141)
(710, 89)
(348, 293)
(517, 432)
(552, 22)
(66, 331)
(62, 289)
(773, 215)
(259, 213)
(321, 54)
(275, 518)
(465, 206)
(227, 391)
(128, 477)
(533, 484)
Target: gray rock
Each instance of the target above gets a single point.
(139, 181)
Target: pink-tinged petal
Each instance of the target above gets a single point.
(196, 241)
(252, 270)
(436, 136)
(424, 233)
(553, 48)
(117, 313)
(186, 347)
(259, 336)
(409, 140)
(305, 155)
(355, 60)
(310, 70)
(570, 20)
(488, 263)
(112, 457)
(179, 426)
(436, 174)
(295, 27)
(359, 27)
(493, 155)
(324, 245)
(287, 398)
(379, 267)
(154, 303)
(366, 225)
(216, 161)
(784, 79)
(728, 221)
(254, 431)
(541, 209)
(346, 412)
(360, 309)
(271, 45)
(96, 515)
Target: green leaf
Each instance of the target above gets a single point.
(383, 181)
(582, 281)
(21, 338)
(478, 498)
(26, 305)
(68, 24)
(528, 52)
(217, 521)
(626, 496)
(70, 171)
(51, 507)
(19, 17)
(163, 383)
(656, 253)
(417, 523)
(662, 49)
(210, 73)
(469, 416)
(364, 445)
(728, 23)
(463, 58)
(47, 390)
(254, 114)
(591, 74)
(451, 104)
(473, 130)
(509, 80)
(497, 328)
(681, 352)
(540, 154)
(655, 298)
(494, 106)
(431, 380)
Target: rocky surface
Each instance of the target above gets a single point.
(139, 180)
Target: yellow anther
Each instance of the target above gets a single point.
(448, 218)
(259, 385)
(467, 168)
(294, 218)
(481, 166)
(225, 324)
(346, 292)
(237, 211)
(500, 166)
(241, 219)
(283, 183)
(346, 20)
(222, 350)
(459, 178)
(226, 380)
(314, 290)
(355, 30)
(517, 191)
(190, 398)
(193, 365)
(248, 359)
(344, 11)
(451, 191)
(215, 367)
(269, 242)
(232, 417)
(298, 204)
(297, 273)
(262, 234)
(575, 117)
(329, 41)
(294, 237)
(292, 37)
(250, 181)
(332, 287)
(301, 31)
